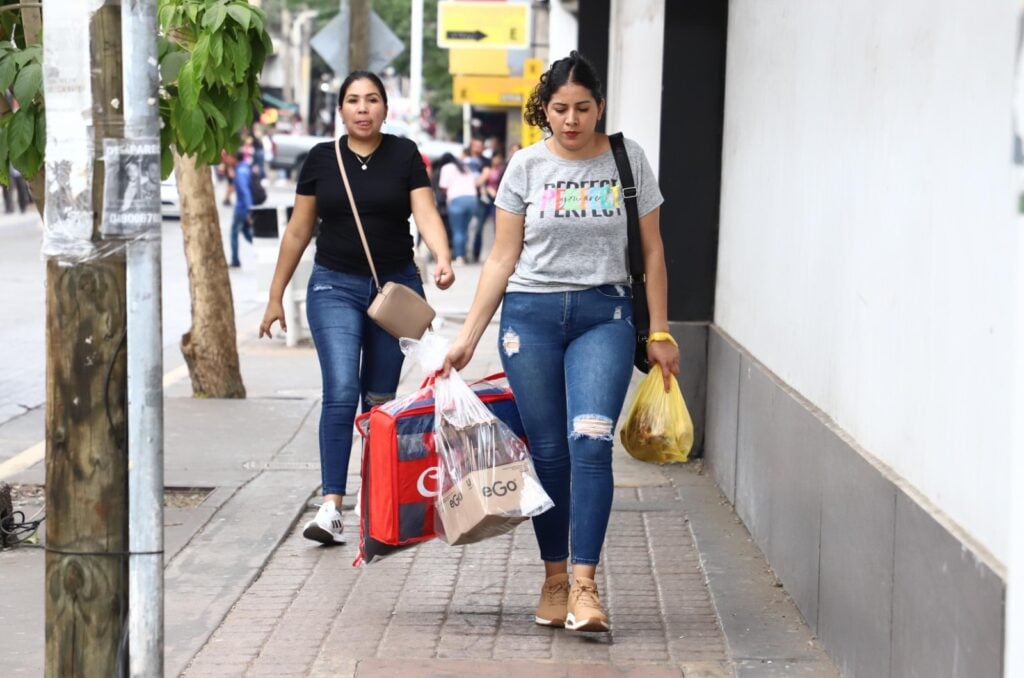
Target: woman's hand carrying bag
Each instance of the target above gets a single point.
(396, 308)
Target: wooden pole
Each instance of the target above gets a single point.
(359, 35)
(86, 419)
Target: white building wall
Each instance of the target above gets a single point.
(563, 32)
(1015, 585)
(1014, 662)
(867, 244)
(636, 41)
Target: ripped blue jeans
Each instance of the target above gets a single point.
(359, 362)
(569, 359)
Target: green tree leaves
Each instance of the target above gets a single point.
(22, 133)
(29, 81)
(211, 55)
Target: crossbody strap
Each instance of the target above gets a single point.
(355, 213)
(628, 187)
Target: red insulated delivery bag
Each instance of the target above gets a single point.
(400, 465)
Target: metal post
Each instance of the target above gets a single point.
(287, 48)
(301, 28)
(145, 364)
(416, 64)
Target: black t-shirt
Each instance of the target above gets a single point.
(381, 192)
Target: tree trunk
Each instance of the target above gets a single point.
(32, 21)
(210, 346)
(37, 188)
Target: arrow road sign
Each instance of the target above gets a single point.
(466, 35)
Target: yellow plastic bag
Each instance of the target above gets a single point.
(658, 428)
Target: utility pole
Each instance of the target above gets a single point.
(359, 35)
(288, 56)
(416, 64)
(145, 356)
(86, 418)
(299, 32)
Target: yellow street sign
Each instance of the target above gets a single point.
(530, 134)
(532, 70)
(483, 24)
(488, 90)
(478, 62)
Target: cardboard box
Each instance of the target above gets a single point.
(490, 502)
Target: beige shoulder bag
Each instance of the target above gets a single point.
(396, 308)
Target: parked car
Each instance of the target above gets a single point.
(290, 150)
(435, 149)
(170, 201)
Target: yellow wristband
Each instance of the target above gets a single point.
(662, 336)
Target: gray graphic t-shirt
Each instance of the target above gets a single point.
(575, 231)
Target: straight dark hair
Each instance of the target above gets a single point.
(362, 75)
(573, 68)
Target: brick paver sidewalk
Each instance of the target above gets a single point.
(440, 610)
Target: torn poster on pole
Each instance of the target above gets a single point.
(68, 222)
(131, 195)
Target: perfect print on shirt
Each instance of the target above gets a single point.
(568, 199)
(575, 234)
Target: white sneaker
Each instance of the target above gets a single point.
(326, 527)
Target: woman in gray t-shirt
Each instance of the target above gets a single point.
(558, 267)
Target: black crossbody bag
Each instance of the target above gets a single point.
(637, 278)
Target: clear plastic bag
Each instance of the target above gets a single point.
(487, 481)
(658, 428)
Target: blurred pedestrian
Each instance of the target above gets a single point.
(558, 268)
(360, 363)
(241, 222)
(259, 154)
(477, 160)
(16, 189)
(439, 199)
(227, 172)
(459, 184)
(489, 181)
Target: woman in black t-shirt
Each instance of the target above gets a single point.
(359, 361)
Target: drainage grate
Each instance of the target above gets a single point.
(185, 497)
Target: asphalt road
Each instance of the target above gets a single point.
(23, 303)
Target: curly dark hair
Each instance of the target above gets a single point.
(573, 68)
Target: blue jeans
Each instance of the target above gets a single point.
(239, 224)
(336, 306)
(460, 213)
(569, 359)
